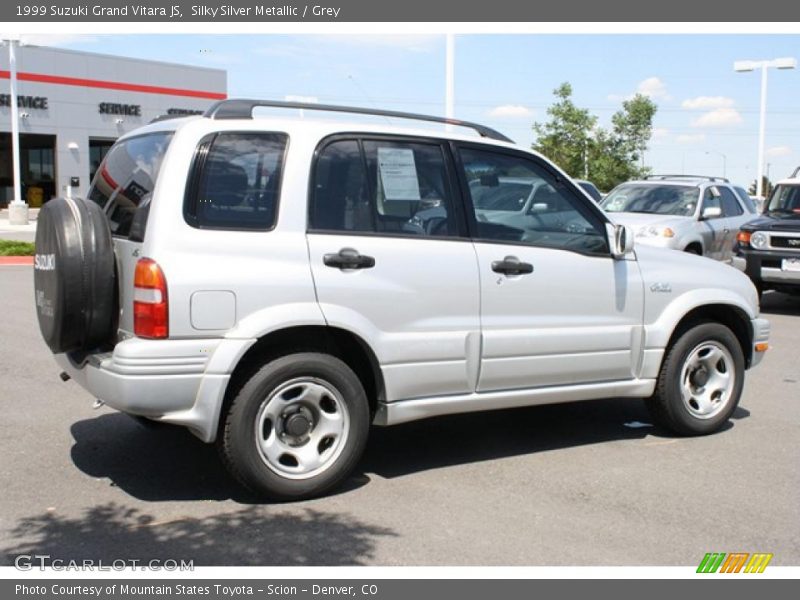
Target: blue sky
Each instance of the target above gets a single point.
(506, 81)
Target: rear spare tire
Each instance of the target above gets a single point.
(74, 275)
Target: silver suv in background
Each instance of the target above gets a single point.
(696, 214)
(280, 285)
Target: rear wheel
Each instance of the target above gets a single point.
(700, 382)
(297, 427)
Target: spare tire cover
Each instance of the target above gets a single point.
(74, 275)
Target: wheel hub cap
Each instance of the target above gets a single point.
(302, 427)
(707, 380)
(297, 425)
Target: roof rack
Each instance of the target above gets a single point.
(706, 177)
(243, 109)
(165, 117)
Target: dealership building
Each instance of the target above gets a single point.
(73, 105)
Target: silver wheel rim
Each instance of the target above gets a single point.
(302, 403)
(707, 380)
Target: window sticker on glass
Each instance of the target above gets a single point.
(398, 174)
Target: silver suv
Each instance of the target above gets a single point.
(270, 284)
(693, 213)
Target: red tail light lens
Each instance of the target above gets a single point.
(150, 304)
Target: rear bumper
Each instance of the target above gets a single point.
(175, 381)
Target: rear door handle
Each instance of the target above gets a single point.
(348, 258)
(511, 265)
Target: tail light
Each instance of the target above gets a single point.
(150, 303)
(743, 237)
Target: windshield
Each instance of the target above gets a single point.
(785, 199)
(502, 195)
(678, 200)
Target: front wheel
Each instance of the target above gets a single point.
(297, 427)
(700, 382)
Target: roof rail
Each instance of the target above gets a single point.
(159, 118)
(243, 109)
(706, 177)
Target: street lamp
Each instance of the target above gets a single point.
(744, 66)
(724, 161)
(17, 208)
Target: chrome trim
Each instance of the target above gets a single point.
(770, 274)
(781, 234)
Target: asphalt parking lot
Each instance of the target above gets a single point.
(576, 484)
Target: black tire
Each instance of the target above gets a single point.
(693, 250)
(74, 275)
(667, 405)
(244, 421)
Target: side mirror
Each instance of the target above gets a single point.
(712, 212)
(620, 239)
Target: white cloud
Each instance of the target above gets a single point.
(653, 87)
(707, 102)
(659, 133)
(510, 111)
(720, 117)
(691, 138)
(779, 151)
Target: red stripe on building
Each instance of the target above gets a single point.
(114, 85)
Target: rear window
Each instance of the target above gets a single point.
(235, 181)
(124, 182)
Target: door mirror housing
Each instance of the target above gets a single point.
(712, 212)
(620, 239)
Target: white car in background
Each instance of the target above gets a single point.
(696, 214)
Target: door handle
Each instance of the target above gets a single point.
(511, 265)
(348, 258)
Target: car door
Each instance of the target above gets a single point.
(712, 227)
(735, 215)
(392, 263)
(556, 308)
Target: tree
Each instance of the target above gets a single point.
(766, 187)
(608, 157)
(566, 137)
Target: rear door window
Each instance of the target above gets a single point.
(730, 205)
(124, 182)
(387, 187)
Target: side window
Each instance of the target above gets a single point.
(711, 199)
(380, 186)
(730, 205)
(516, 199)
(236, 181)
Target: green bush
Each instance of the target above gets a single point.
(15, 248)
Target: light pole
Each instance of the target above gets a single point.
(17, 208)
(724, 161)
(743, 66)
(450, 78)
